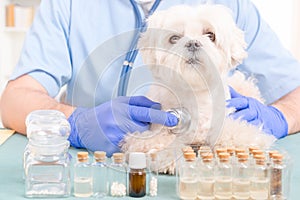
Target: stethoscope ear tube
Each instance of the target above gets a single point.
(140, 26)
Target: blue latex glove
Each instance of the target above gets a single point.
(256, 113)
(104, 126)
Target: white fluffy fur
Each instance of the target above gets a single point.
(185, 79)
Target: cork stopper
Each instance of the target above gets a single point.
(203, 150)
(189, 156)
(118, 157)
(187, 149)
(242, 157)
(82, 156)
(224, 157)
(238, 150)
(207, 157)
(99, 156)
(251, 148)
(221, 150)
(272, 152)
(257, 152)
(230, 150)
(277, 158)
(260, 159)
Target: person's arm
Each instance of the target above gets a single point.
(289, 105)
(22, 96)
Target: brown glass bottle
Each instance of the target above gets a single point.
(137, 174)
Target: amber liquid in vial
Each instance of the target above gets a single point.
(137, 183)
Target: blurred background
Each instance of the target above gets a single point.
(16, 16)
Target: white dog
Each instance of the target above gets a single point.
(190, 52)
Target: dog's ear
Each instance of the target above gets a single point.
(237, 47)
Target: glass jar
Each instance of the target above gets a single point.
(152, 170)
(206, 178)
(188, 183)
(223, 177)
(117, 176)
(46, 159)
(99, 169)
(241, 177)
(83, 179)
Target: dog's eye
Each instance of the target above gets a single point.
(174, 39)
(211, 36)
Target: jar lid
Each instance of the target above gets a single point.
(99, 155)
(242, 155)
(189, 156)
(82, 155)
(137, 160)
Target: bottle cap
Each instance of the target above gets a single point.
(189, 156)
(82, 155)
(257, 152)
(100, 155)
(242, 155)
(237, 151)
(118, 157)
(137, 160)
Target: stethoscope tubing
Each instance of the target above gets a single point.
(130, 57)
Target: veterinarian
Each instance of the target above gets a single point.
(65, 33)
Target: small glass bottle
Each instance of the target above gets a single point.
(206, 178)
(137, 174)
(241, 178)
(152, 168)
(99, 171)
(117, 176)
(188, 183)
(83, 180)
(46, 158)
(259, 186)
(223, 177)
(184, 120)
(279, 180)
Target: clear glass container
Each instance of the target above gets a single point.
(279, 178)
(137, 174)
(259, 186)
(83, 179)
(206, 177)
(223, 177)
(152, 171)
(100, 178)
(188, 183)
(46, 160)
(117, 176)
(241, 178)
(184, 120)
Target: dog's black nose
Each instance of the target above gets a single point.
(193, 45)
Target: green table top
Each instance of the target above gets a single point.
(12, 184)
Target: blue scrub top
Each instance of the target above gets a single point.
(83, 44)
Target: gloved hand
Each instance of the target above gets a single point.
(256, 113)
(104, 126)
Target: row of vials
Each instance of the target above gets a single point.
(228, 173)
(116, 179)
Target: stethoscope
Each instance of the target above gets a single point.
(140, 25)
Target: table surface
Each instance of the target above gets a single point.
(12, 184)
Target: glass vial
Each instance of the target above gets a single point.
(184, 120)
(118, 176)
(259, 186)
(46, 160)
(83, 180)
(188, 183)
(223, 177)
(137, 174)
(206, 179)
(241, 178)
(99, 171)
(152, 169)
(279, 180)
